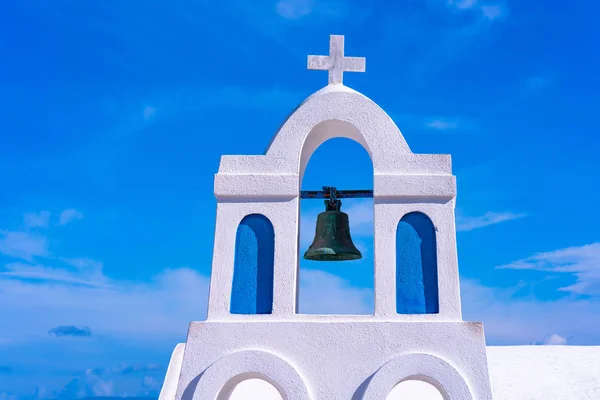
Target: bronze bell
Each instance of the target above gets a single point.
(332, 237)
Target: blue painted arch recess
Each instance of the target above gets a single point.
(252, 287)
(416, 266)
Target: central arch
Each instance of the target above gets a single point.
(342, 162)
(337, 111)
(327, 130)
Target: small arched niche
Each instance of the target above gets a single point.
(416, 265)
(415, 389)
(337, 287)
(253, 389)
(252, 286)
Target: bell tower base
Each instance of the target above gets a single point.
(351, 358)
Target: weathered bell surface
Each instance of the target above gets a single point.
(332, 238)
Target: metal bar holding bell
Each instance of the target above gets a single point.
(340, 194)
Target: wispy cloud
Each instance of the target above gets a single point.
(98, 383)
(493, 12)
(448, 30)
(294, 9)
(120, 309)
(70, 330)
(324, 293)
(463, 4)
(76, 289)
(490, 11)
(90, 275)
(7, 396)
(465, 223)
(23, 245)
(150, 386)
(124, 369)
(69, 215)
(583, 262)
(511, 318)
(37, 220)
(441, 124)
(435, 123)
(54, 289)
(87, 386)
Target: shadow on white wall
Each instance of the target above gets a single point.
(257, 389)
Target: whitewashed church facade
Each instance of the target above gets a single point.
(253, 327)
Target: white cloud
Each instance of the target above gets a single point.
(23, 245)
(510, 318)
(69, 215)
(487, 10)
(467, 25)
(89, 277)
(441, 124)
(149, 386)
(493, 12)
(297, 9)
(37, 220)
(583, 262)
(360, 215)
(159, 308)
(88, 385)
(324, 293)
(294, 9)
(463, 4)
(555, 340)
(449, 124)
(75, 291)
(464, 223)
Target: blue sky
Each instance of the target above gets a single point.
(113, 116)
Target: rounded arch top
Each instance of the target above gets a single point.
(337, 111)
(421, 366)
(218, 380)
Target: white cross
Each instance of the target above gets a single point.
(335, 62)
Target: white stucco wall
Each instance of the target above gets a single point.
(270, 184)
(516, 372)
(335, 358)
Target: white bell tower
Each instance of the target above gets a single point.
(253, 329)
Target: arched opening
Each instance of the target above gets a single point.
(254, 389)
(420, 367)
(415, 389)
(252, 287)
(221, 378)
(337, 287)
(416, 266)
